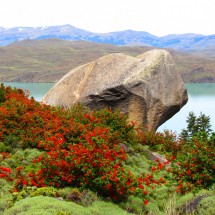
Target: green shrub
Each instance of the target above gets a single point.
(43, 205)
(133, 205)
(2, 93)
(88, 197)
(85, 198)
(32, 192)
(4, 147)
(206, 206)
(152, 209)
(196, 125)
(44, 191)
(195, 161)
(75, 196)
(12, 141)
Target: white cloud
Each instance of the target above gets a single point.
(159, 17)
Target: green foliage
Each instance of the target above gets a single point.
(4, 147)
(194, 164)
(152, 208)
(32, 192)
(63, 192)
(5, 186)
(196, 126)
(5, 194)
(163, 142)
(170, 205)
(19, 157)
(2, 93)
(88, 197)
(11, 142)
(79, 148)
(133, 205)
(85, 198)
(44, 191)
(206, 206)
(75, 196)
(191, 156)
(87, 156)
(43, 205)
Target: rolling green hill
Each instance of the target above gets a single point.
(48, 60)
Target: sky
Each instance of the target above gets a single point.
(158, 17)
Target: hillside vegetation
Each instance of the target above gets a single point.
(48, 60)
(73, 161)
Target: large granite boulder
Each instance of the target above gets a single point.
(147, 87)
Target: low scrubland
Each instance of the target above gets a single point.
(75, 161)
(49, 60)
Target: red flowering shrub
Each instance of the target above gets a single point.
(80, 149)
(87, 150)
(5, 173)
(26, 119)
(31, 121)
(195, 164)
(164, 142)
(95, 163)
(192, 159)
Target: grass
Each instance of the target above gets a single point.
(43, 205)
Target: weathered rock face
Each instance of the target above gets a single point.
(148, 88)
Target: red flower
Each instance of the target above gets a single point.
(145, 202)
(145, 192)
(154, 168)
(157, 159)
(188, 172)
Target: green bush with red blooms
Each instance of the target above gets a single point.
(195, 162)
(79, 149)
(192, 155)
(88, 150)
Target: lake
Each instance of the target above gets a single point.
(37, 90)
(201, 99)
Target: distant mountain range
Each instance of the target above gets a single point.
(183, 42)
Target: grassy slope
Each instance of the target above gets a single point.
(43, 205)
(49, 60)
(162, 202)
(208, 51)
(162, 198)
(194, 67)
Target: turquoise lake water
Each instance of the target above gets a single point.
(37, 90)
(201, 99)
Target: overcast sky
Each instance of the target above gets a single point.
(159, 17)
